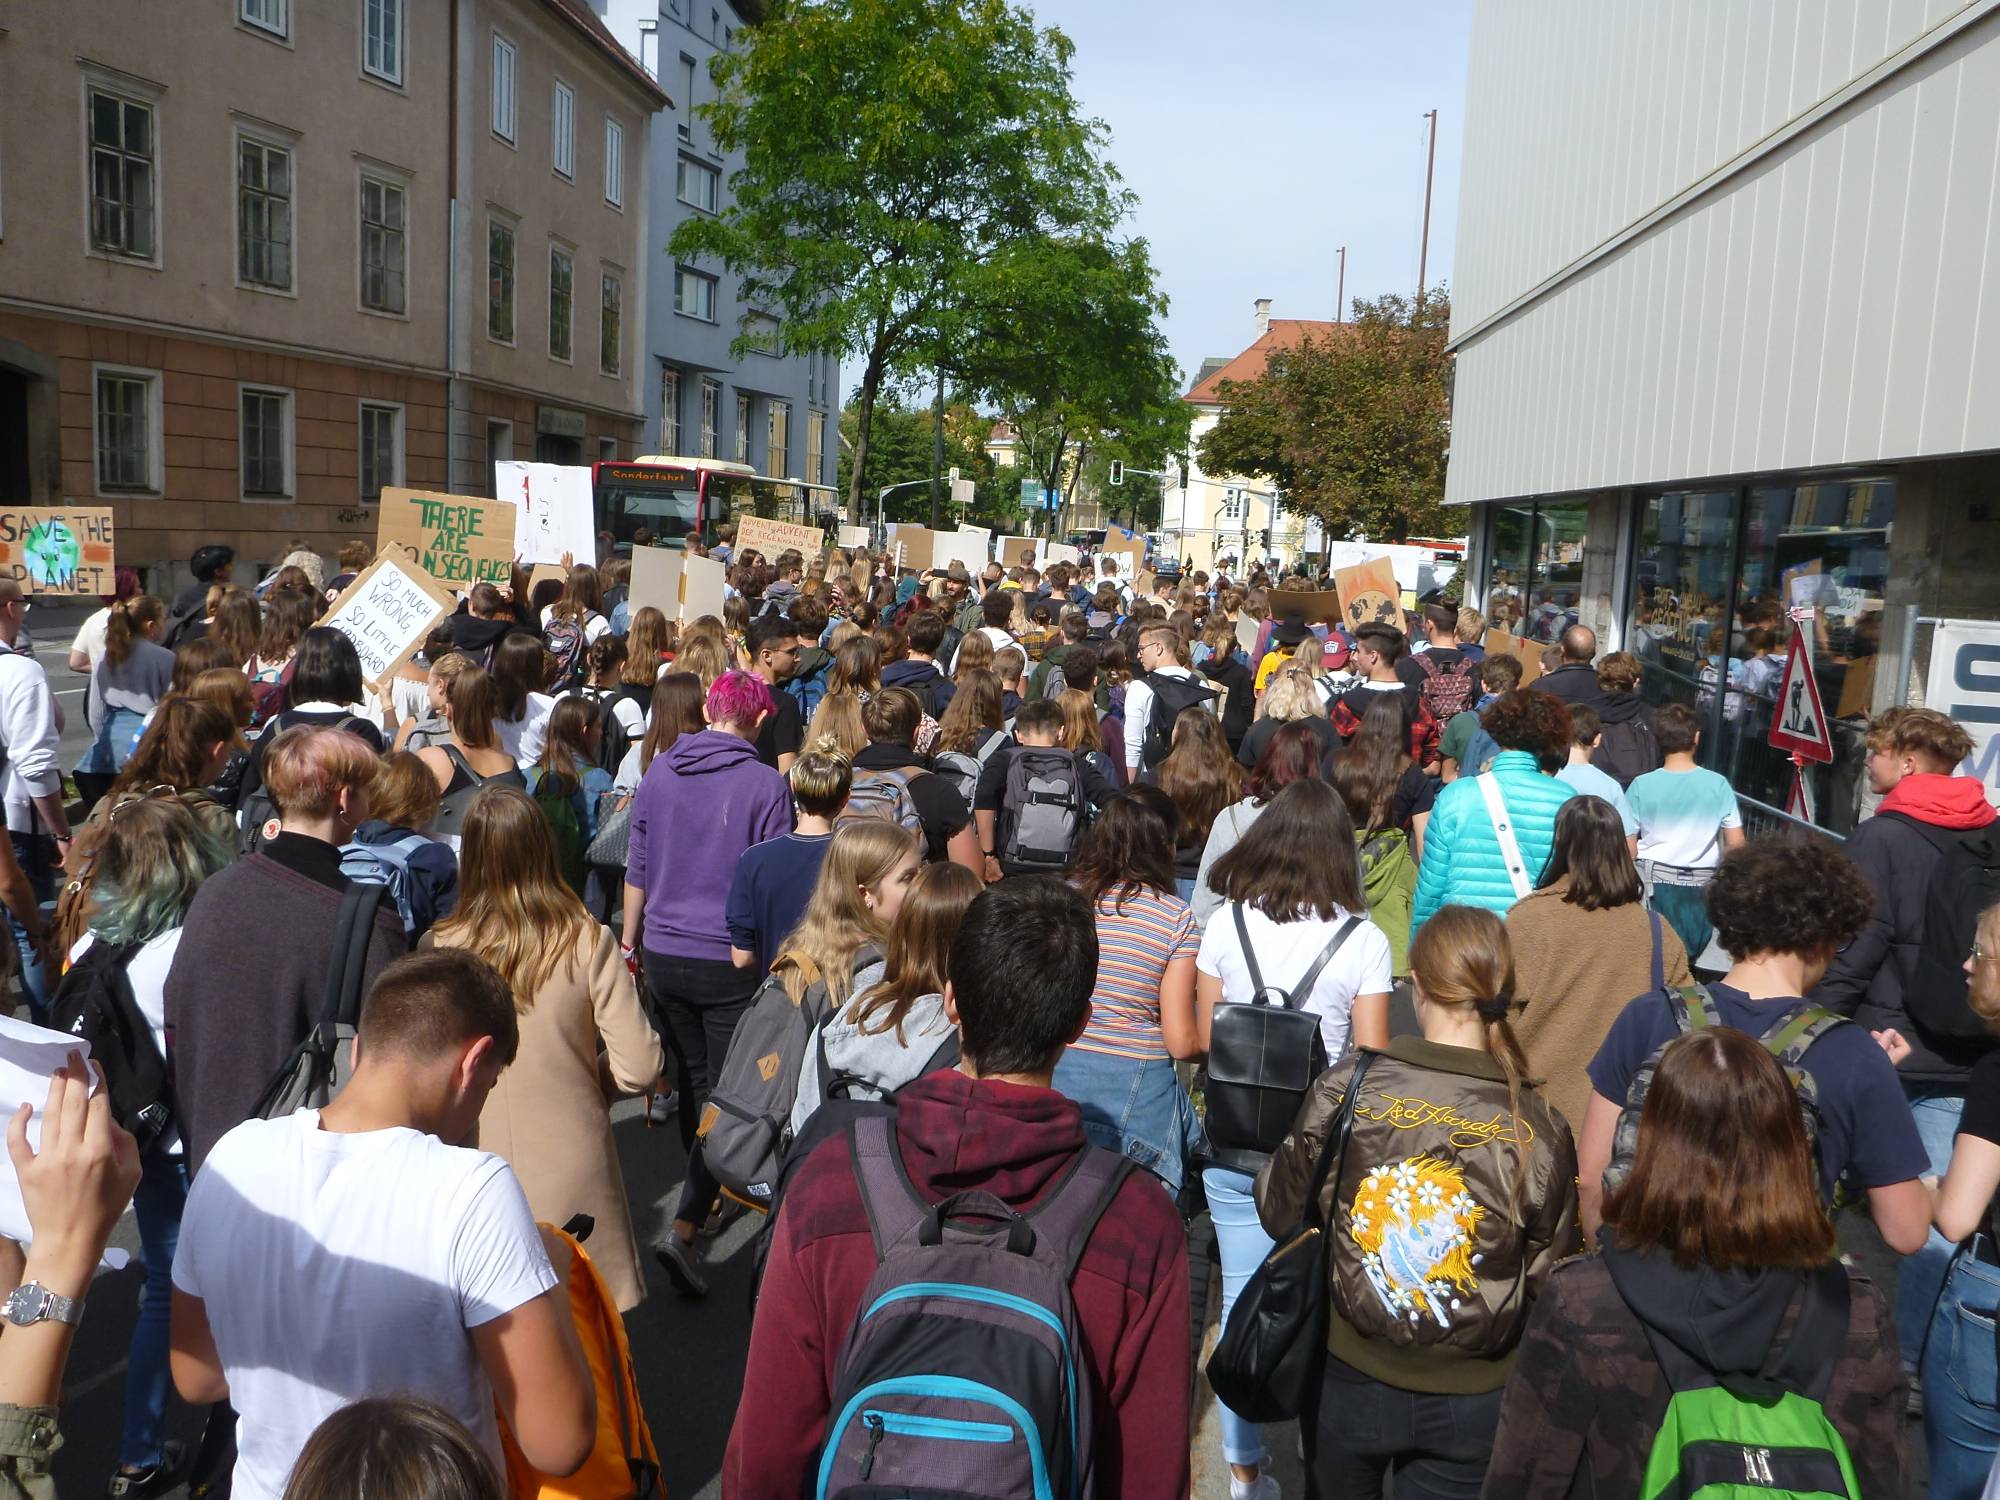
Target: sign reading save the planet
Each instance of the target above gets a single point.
(457, 539)
(58, 551)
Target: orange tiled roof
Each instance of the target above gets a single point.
(1284, 333)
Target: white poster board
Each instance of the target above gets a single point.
(984, 534)
(967, 547)
(702, 587)
(1964, 682)
(387, 611)
(656, 580)
(853, 536)
(1060, 552)
(28, 1056)
(556, 512)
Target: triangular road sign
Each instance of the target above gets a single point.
(1798, 724)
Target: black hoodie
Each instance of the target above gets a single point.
(1724, 1320)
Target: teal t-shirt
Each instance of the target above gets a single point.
(1681, 815)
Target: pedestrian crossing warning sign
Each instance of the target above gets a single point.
(1798, 726)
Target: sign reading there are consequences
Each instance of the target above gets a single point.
(58, 551)
(457, 539)
(387, 611)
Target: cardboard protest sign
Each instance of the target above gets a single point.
(853, 536)
(702, 582)
(916, 545)
(543, 573)
(1314, 606)
(656, 580)
(1055, 552)
(387, 611)
(1527, 653)
(1130, 551)
(1013, 551)
(1369, 594)
(774, 537)
(457, 539)
(557, 514)
(66, 551)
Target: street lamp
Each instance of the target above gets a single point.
(882, 505)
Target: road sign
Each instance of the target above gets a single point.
(1799, 725)
(952, 473)
(962, 490)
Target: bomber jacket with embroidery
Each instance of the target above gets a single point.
(1432, 1263)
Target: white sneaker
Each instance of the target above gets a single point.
(1263, 1487)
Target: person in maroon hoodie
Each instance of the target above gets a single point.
(995, 1125)
(1913, 754)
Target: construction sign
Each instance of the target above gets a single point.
(1798, 726)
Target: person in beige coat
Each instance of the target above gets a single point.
(1584, 946)
(584, 1038)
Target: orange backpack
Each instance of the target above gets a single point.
(624, 1464)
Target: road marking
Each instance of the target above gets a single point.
(65, 692)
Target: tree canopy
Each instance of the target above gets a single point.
(1351, 426)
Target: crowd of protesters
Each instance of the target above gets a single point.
(1011, 884)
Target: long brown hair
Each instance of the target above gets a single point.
(1461, 957)
(582, 595)
(919, 946)
(837, 921)
(643, 647)
(1199, 773)
(1082, 730)
(1723, 1175)
(1590, 849)
(288, 614)
(1129, 848)
(678, 700)
(514, 908)
(566, 750)
(176, 748)
(471, 701)
(1368, 771)
(230, 690)
(126, 625)
(974, 652)
(973, 714)
(237, 624)
(1266, 870)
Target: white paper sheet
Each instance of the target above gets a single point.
(29, 1055)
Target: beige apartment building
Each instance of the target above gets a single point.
(261, 259)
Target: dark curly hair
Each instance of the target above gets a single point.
(1775, 896)
(1527, 720)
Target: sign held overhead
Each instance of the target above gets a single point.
(64, 551)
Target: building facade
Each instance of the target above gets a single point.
(239, 293)
(1214, 517)
(1722, 370)
(775, 411)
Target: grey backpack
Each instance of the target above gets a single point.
(963, 771)
(1042, 807)
(964, 1373)
(319, 1064)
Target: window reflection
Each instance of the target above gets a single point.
(1680, 594)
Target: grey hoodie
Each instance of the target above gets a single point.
(876, 1064)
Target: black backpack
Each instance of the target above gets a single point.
(1172, 696)
(1964, 882)
(1263, 1056)
(257, 817)
(613, 740)
(95, 1002)
(1626, 752)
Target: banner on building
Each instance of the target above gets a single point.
(387, 611)
(1964, 682)
(774, 537)
(457, 539)
(556, 512)
(58, 551)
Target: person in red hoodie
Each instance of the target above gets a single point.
(994, 1124)
(1913, 755)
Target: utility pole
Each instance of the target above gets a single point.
(937, 459)
(1430, 168)
(1340, 297)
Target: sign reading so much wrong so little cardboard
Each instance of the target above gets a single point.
(457, 539)
(60, 551)
(387, 611)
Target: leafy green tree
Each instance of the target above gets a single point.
(1352, 426)
(901, 451)
(894, 151)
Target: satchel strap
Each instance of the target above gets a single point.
(1295, 998)
(1335, 1146)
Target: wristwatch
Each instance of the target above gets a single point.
(31, 1302)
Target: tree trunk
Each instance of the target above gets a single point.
(864, 420)
(1053, 481)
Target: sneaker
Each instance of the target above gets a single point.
(727, 1211)
(1263, 1487)
(683, 1267)
(662, 1108)
(138, 1484)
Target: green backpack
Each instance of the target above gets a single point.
(1389, 880)
(557, 798)
(1761, 1437)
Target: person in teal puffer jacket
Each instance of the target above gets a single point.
(1462, 864)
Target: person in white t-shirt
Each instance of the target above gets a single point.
(1295, 883)
(351, 1251)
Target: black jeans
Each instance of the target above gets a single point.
(1361, 1431)
(698, 1002)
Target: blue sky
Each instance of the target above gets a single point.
(1261, 134)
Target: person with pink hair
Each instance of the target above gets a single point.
(703, 801)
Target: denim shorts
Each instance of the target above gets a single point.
(1134, 1106)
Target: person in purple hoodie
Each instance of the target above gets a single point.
(702, 803)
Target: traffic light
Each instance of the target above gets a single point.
(1183, 473)
(1117, 471)
(1266, 538)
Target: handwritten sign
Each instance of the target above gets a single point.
(387, 611)
(555, 507)
(58, 551)
(457, 539)
(774, 537)
(1369, 594)
(1129, 550)
(1316, 606)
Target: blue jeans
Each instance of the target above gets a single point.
(1184, 888)
(1134, 1106)
(32, 851)
(1920, 1277)
(1241, 1245)
(1962, 1381)
(158, 1201)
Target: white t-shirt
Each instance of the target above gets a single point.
(147, 974)
(90, 636)
(630, 773)
(525, 738)
(336, 1266)
(1285, 950)
(411, 700)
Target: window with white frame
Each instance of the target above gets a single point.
(500, 281)
(614, 163)
(128, 429)
(610, 323)
(742, 428)
(711, 416)
(697, 184)
(381, 448)
(694, 294)
(562, 131)
(778, 439)
(685, 124)
(266, 442)
(273, 16)
(503, 88)
(263, 213)
(670, 409)
(562, 301)
(1232, 503)
(815, 445)
(122, 154)
(382, 39)
(384, 248)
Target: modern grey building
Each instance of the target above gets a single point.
(778, 413)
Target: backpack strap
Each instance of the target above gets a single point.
(1804, 1361)
(1297, 998)
(347, 954)
(1424, 664)
(894, 1212)
(1693, 1007)
(1659, 951)
(457, 758)
(1503, 833)
(1249, 953)
(1067, 1216)
(1790, 1039)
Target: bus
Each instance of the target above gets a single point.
(674, 498)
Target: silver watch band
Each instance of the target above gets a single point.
(31, 1302)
